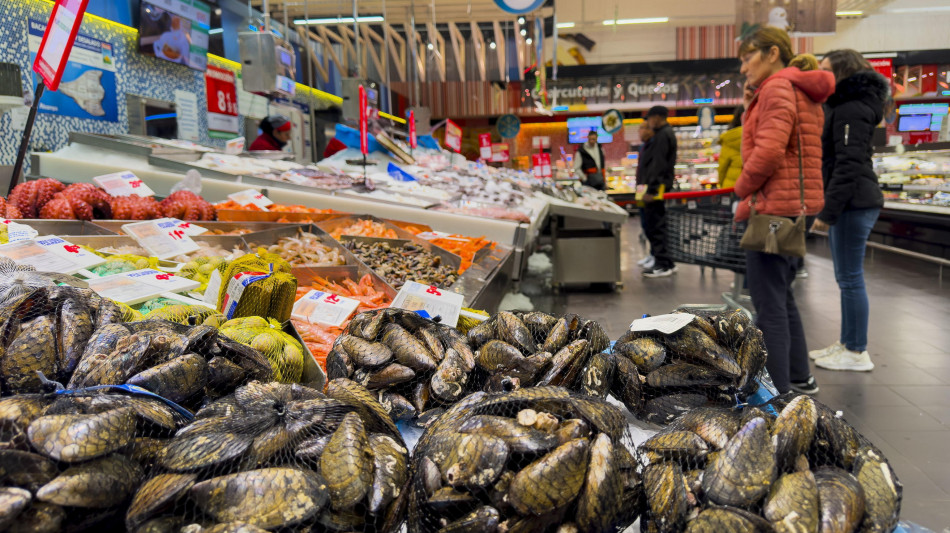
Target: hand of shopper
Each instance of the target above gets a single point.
(648, 197)
(818, 225)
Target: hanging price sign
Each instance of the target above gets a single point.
(453, 135)
(123, 184)
(140, 285)
(431, 299)
(412, 129)
(484, 146)
(222, 100)
(251, 197)
(324, 308)
(162, 238)
(51, 254)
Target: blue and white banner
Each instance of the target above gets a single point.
(88, 88)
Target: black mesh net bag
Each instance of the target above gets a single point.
(792, 464)
(517, 349)
(412, 365)
(718, 359)
(275, 456)
(71, 461)
(537, 459)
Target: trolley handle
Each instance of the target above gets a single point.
(687, 195)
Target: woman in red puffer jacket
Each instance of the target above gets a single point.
(784, 116)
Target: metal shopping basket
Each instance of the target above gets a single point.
(701, 231)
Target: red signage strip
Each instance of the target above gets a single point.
(58, 41)
(364, 126)
(412, 129)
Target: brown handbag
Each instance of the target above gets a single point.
(774, 234)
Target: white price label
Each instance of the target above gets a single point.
(51, 254)
(161, 238)
(190, 228)
(234, 146)
(667, 324)
(429, 235)
(213, 288)
(140, 285)
(123, 184)
(236, 286)
(324, 308)
(16, 232)
(431, 299)
(251, 196)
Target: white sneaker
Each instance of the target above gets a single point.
(847, 360)
(647, 262)
(815, 355)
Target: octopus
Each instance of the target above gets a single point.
(186, 205)
(8, 210)
(79, 201)
(135, 208)
(30, 197)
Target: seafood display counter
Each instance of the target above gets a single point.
(579, 234)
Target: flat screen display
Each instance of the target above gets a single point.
(176, 31)
(578, 128)
(914, 123)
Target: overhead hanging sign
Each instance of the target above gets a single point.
(453, 135)
(484, 146)
(541, 164)
(499, 153)
(58, 39)
(519, 7)
(88, 85)
(221, 87)
(508, 126)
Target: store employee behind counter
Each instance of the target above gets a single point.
(589, 163)
(275, 134)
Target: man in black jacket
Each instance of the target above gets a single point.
(658, 160)
(589, 163)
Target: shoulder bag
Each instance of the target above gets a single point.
(774, 234)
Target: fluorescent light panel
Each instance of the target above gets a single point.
(565, 24)
(849, 13)
(341, 20)
(215, 31)
(655, 20)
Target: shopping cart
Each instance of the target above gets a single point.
(701, 231)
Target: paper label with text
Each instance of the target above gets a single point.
(431, 299)
(51, 254)
(140, 285)
(190, 228)
(15, 232)
(236, 286)
(123, 184)
(251, 197)
(161, 238)
(667, 324)
(324, 308)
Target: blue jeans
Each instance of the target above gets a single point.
(849, 238)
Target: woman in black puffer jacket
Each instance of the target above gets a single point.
(853, 197)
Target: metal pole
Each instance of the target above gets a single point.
(313, 84)
(27, 132)
(359, 52)
(415, 61)
(266, 16)
(389, 89)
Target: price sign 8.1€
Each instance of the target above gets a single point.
(222, 100)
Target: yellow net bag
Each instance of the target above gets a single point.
(258, 285)
(266, 336)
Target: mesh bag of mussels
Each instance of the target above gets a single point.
(717, 359)
(791, 465)
(276, 456)
(531, 460)
(413, 365)
(515, 349)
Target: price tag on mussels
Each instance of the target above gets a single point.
(324, 308)
(161, 237)
(123, 184)
(190, 228)
(667, 324)
(51, 254)
(140, 285)
(251, 197)
(431, 299)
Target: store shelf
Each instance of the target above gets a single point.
(918, 208)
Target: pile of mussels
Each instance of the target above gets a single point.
(537, 459)
(411, 363)
(714, 360)
(803, 470)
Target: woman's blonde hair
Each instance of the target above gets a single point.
(804, 62)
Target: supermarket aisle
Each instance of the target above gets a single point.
(903, 406)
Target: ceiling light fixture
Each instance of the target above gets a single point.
(339, 20)
(563, 25)
(655, 20)
(528, 40)
(492, 45)
(215, 31)
(430, 46)
(849, 13)
(524, 32)
(520, 20)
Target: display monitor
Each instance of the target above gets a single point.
(579, 127)
(176, 31)
(914, 123)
